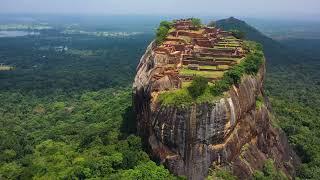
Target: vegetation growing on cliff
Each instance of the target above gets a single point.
(250, 66)
(198, 86)
(269, 171)
(220, 174)
(162, 31)
(259, 102)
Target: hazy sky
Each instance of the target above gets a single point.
(245, 8)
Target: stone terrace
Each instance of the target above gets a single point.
(189, 51)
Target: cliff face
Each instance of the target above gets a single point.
(231, 132)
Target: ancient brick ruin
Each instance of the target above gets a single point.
(189, 51)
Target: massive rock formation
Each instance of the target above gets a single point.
(231, 132)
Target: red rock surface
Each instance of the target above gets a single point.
(231, 132)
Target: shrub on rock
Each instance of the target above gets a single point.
(198, 86)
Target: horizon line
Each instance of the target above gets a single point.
(271, 17)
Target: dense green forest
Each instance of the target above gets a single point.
(68, 114)
(294, 93)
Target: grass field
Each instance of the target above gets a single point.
(223, 67)
(186, 84)
(228, 59)
(228, 45)
(207, 74)
(218, 58)
(208, 67)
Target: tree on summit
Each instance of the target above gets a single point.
(163, 31)
(196, 22)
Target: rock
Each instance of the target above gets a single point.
(231, 132)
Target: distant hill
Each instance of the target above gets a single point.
(275, 51)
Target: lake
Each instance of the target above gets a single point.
(17, 33)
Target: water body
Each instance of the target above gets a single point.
(17, 33)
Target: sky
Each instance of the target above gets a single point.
(239, 8)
